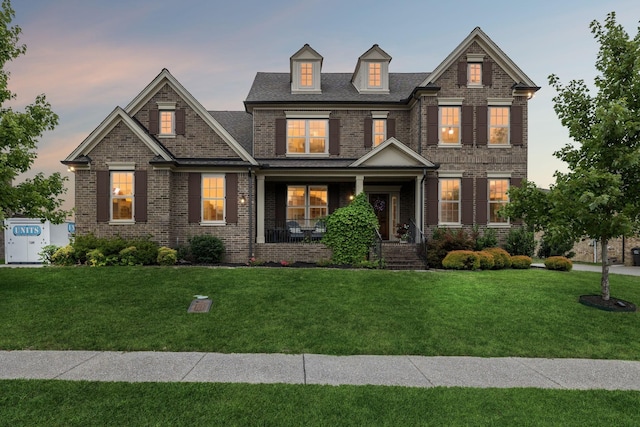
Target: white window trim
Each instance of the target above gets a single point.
(363, 86)
(471, 84)
(297, 75)
(490, 177)
(121, 167)
(320, 115)
(373, 131)
(440, 222)
(441, 125)
(224, 199)
(307, 202)
(508, 127)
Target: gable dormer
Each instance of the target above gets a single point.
(306, 65)
(372, 71)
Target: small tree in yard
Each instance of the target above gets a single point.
(37, 197)
(600, 195)
(351, 231)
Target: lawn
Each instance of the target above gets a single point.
(532, 313)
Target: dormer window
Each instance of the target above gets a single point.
(372, 71)
(306, 65)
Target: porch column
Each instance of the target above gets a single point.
(260, 210)
(419, 206)
(359, 184)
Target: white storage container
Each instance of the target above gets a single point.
(24, 238)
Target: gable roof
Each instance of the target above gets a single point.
(118, 115)
(239, 124)
(165, 77)
(492, 50)
(392, 153)
(375, 53)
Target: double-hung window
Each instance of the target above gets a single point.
(449, 201)
(167, 122)
(306, 75)
(307, 203)
(122, 196)
(307, 136)
(474, 74)
(213, 198)
(498, 198)
(375, 75)
(379, 131)
(449, 125)
(498, 125)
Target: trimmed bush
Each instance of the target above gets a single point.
(206, 249)
(444, 241)
(520, 262)
(501, 258)
(95, 258)
(146, 251)
(128, 256)
(520, 242)
(167, 256)
(486, 260)
(558, 263)
(461, 260)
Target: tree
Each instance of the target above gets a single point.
(38, 197)
(600, 195)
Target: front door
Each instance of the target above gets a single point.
(380, 203)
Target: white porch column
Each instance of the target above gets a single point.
(419, 206)
(260, 210)
(359, 184)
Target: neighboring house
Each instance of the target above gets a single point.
(435, 149)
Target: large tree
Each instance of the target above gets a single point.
(38, 197)
(600, 195)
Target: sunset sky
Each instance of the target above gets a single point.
(90, 56)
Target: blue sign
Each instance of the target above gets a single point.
(27, 230)
(71, 227)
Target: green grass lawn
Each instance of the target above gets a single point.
(531, 313)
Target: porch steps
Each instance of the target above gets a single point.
(401, 256)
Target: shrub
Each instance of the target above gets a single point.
(486, 260)
(127, 256)
(82, 244)
(501, 258)
(556, 243)
(146, 251)
(559, 263)
(95, 258)
(444, 241)
(206, 249)
(47, 253)
(64, 256)
(461, 260)
(521, 262)
(167, 256)
(351, 231)
(520, 242)
(488, 239)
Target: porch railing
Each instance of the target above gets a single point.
(296, 231)
(417, 236)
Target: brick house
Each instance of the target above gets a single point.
(429, 149)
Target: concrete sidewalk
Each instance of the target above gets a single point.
(410, 371)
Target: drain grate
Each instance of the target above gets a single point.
(199, 306)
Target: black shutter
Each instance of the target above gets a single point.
(467, 124)
(281, 137)
(368, 133)
(391, 128)
(154, 122)
(180, 122)
(140, 196)
(467, 201)
(517, 128)
(231, 190)
(481, 128)
(334, 137)
(481, 201)
(103, 193)
(334, 197)
(281, 204)
(432, 201)
(462, 73)
(432, 125)
(195, 191)
(487, 73)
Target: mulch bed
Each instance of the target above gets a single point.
(613, 304)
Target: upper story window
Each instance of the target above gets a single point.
(167, 122)
(474, 74)
(498, 198)
(449, 125)
(306, 75)
(375, 75)
(379, 131)
(122, 196)
(449, 200)
(498, 125)
(307, 136)
(213, 198)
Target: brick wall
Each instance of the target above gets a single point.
(292, 252)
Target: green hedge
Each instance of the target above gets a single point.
(461, 260)
(521, 262)
(501, 258)
(559, 263)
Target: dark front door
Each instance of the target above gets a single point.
(380, 203)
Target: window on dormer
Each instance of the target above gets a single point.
(306, 74)
(375, 76)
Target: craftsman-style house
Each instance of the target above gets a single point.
(429, 149)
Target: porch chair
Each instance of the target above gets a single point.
(295, 232)
(319, 230)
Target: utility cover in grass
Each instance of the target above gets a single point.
(199, 306)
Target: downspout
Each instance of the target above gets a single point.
(250, 197)
(424, 177)
(420, 128)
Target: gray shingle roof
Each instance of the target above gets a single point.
(336, 87)
(239, 124)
